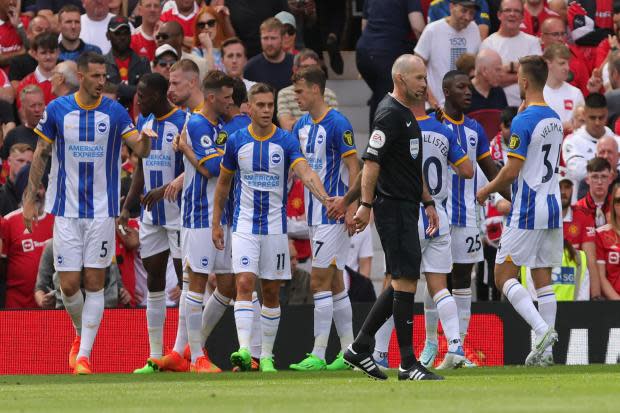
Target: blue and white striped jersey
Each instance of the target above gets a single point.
(461, 204)
(260, 191)
(162, 165)
(536, 137)
(439, 149)
(198, 190)
(324, 143)
(86, 163)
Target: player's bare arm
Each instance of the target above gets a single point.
(311, 180)
(37, 169)
(140, 143)
(185, 147)
(490, 170)
(464, 168)
(370, 174)
(429, 207)
(502, 181)
(353, 167)
(222, 189)
(133, 196)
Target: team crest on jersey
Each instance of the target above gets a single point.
(347, 138)
(515, 141)
(245, 261)
(472, 140)
(102, 127)
(276, 158)
(414, 147)
(221, 138)
(43, 117)
(169, 137)
(204, 261)
(59, 260)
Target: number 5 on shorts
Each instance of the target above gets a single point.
(104, 249)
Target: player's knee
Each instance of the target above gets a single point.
(320, 281)
(226, 285)
(245, 285)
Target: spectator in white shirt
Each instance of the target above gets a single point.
(444, 41)
(95, 24)
(562, 97)
(511, 44)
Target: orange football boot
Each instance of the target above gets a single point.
(75, 349)
(82, 366)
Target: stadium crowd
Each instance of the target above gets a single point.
(270, 42)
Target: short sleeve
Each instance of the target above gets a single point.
(519, 137)
(424, 46)
(380, 139)
(456, 154)
(483, 149)
(482, 17)
(47, 128)
(229, 159)
(203, 146)
(413, 6)
(292, 150)
(601, 255)
(125, 124)
(345, 140)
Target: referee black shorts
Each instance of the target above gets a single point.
(397, 225)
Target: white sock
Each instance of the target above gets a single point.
(382, 338)
(244, 315)
(256, 339)
(193, 317)
(91, 319)
(462, 297)
(270, 319)
(155, 318)
(323, 310)
(431, 317)
(448, 313)
(74, 304)
(547, 307)
(181, 341)
(343, 319)
(213, 312)
(522, 303)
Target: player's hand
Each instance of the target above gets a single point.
(433, 220)
(482, 195)
(175, 294)
(47, 301)
(29, 213)
(123, 218)
(361, 218)
(173, 188)
(124, 297)
(147, 134)
(217, 233)
(139, 296)
(336, 207)
(152, 197)
(349, 220)
(180, 141)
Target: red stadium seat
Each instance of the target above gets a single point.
(490, 120)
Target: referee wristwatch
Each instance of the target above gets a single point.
(428, 203)
(366, 204)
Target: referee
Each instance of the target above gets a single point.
(392, 184)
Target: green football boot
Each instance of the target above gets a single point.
(310, 363)
(242, 359)
(150, 367)
(266, 365)
(338, 364)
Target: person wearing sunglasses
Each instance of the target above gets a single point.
(289, 33)
(608, 250)
(208, 37)
(165, 57)
(171, 33)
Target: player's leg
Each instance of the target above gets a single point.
(461, 291)
(256, 336)
(547, 305)
(384, 334)
(73, 301)
(343, 319)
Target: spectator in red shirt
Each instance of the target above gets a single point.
(597, 201)
(297, 223)
(535, 12)
(611, 42)
(184, 12)
(10, 41)
(21, 251)
(143, 38)
(45, 50)
(579, 231)
(608, 250)
(19, 156)
(24, 64)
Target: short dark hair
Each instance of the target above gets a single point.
(535, 69)
(305, 54)
(596, 101)
(215, 80)
(87, 58)
(450, 76)
(597, 164)
(313, 75)
(240, 93)
(68, 8)
(229, 42)
(260, 88)
(508, 114)
(45, 41)
(155, 82)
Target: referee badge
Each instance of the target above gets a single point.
(414, 147)
(515, 142)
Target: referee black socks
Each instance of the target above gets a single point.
(379, 313)
(403, 322)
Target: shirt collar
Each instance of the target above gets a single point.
(40, 76)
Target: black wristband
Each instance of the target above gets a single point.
(366, 204)
(428, 203)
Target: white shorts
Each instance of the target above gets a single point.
(155, 239)
(466, 245)
(533, 248)
(199, 252)
(83, 243)
(436, 255)
(330, 245)
(266, 256)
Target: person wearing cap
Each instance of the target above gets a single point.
(444, 41)
(123, 66)
(440, 9)
(95, 23)
(289, 33)
(171, 33)
(165, 58)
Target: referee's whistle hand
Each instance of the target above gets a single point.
(361, 218)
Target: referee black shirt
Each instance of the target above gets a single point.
(396, 145)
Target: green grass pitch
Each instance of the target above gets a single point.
(511, 389)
